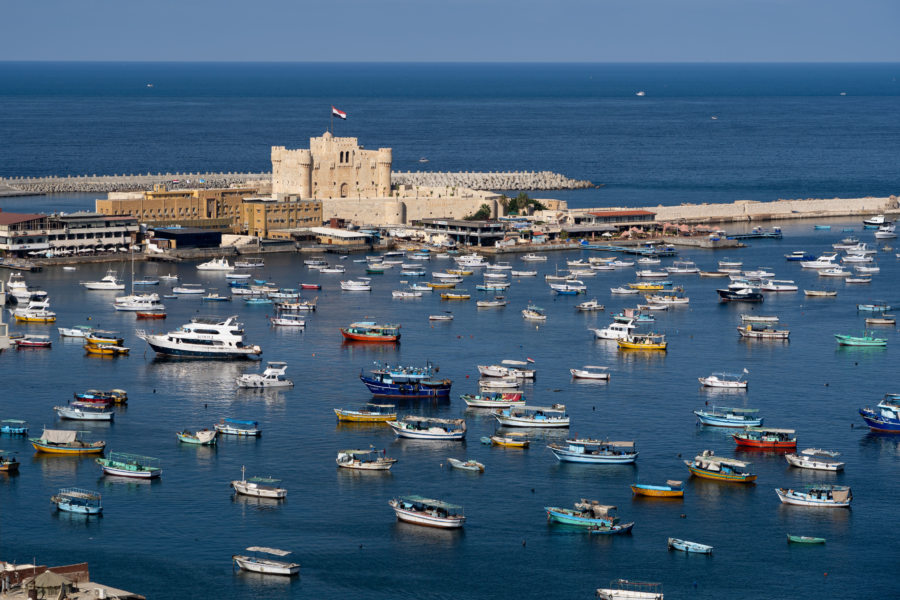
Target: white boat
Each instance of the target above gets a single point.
(258, 487)
(249, 263)
(216, 264)
(500, 266)
(826, 261)
(876, 220)
(427, 428)
(590, 372)
(686, 546)
(816, 459)
(623, 291)
(857, 259)
(494, 400)
(886, 231)
(466, 465)
(759, 319)
(533, 416)
(648, 261)
(651, 273)
(334, 269)
(727, 263)
(817, 495)
(445, 317)
(760, 273)
(523, 273)
(507, 368)
(861, 248)
(420, 287)
(109, 282)
(534, 313)
(725, 380)
(681, 267)
(364, 460)
(210, 337)
(356, 286)
(500, 384)
(79, 331)
(864, 269)
(614, 331)
(273, 376)
(580, 262)
(623, 589)
(288, 321)
(406, 294)
(169, 277)
(139, 302)
(489, 277)
(590, 305)
(497, 302)
(779, 285)
(534, 258)
(266, 566)
(571, 287)
(17, 288)
(721, 416)
(621, 263)
(428, 512)
(82, 411)
(188, 289)
(834, 272)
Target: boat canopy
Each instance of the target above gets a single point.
(418, 419)
(59, 436)
(241, 422)
(80, 493)
(133, 459)
(819, 452)
(735, 410)
(266, 550)
(770, 430)
(430, 502)
(263, 480)
(515, 363)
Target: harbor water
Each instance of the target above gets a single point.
(174, 537)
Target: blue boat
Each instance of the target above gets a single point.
(885, 417)
(13, 427)
(594, 451)
(823, 227)
(238, 427)
(78, 501)
(720, 416)
(239, 283)
(386, 381)
(590, 514)
(798, 255)
(258, 300)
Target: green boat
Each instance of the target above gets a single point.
(376, 269)
(864, 340)
(803, 539)
(130, 465)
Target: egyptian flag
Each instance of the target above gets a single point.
(338, 113)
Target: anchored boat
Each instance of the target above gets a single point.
(672, 489)
(122, 464)
(364, 460)
(766, 437)
(202, 437)
(428, 428)
(816, 459)
(885, 417)
(387, 381)
(64, 441)
(721, 416)
(686, 546)
(78, 501)
(272, 377)
(598, 518)
(820, 495)
(370, 413)
(369, 331)
(533, 416)
(258, 487)
(238, 427)
(586, 450)
(428, 512)
(709, 466)
(203, 337)
(264, 565)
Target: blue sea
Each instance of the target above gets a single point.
(782, 131)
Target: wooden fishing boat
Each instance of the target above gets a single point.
(497, 302)
(466, 465)
(804, 539)
(238, 427)
(763, 332)
(495, 400)
(533, 416)
(819, 495)
(121, 464)
(864, 340)
(266, 566)
(64, 441)
(106, 349)
(815, 459)
(589, 306)
(442, 285)
(820, 293)
(364, 460)
(84, 411)
(686, 546)
(585, 450)
(884, 319)
(534, 313)
(369, 331)
(709, 466)
(766, 437)
(370, 413)
(456, 295)
(725, 380)
(104, 337)
(258, 487)
(150, 315)
(672, 489)
(445, 317)
(650, 286)
(623, 589)
(510, 440)
(8, 462)
(759, 319)
(201, 437)
(713, 274)
(427, 428)
(590, 372)
(643, 341)
(114, 396)
(310, 286)
(78, 501)
(599, 518)
(721, 416)
(428, 512)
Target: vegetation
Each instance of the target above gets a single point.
(520, 203)
(481, 214)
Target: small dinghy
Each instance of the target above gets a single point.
(467, 465)
(686, 546)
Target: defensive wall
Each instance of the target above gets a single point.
(748, 210)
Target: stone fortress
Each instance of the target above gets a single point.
(354, 184)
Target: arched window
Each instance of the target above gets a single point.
(344, 189)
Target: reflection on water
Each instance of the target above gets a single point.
(409, 533)
(56, 465)
(882, 442)
(255, 502)
(127, 483)
(76, 520)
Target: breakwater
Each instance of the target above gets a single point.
(510, 180)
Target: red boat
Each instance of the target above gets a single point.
(369, 331)
(765, 437)
(32, 341)
(310, 286)
(150, 315)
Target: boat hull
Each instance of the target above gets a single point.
(49, 449)
(564, 455)
(712, 421)
(422, 434)
(432, 389)
(804, 500)
(730, 477)
(766, 444)
(266, 567)
(426, 520)
(120, 472)
(521, 422)
(357, 417)
(249, 353)
(656, 491)
(356, 337)
(879, 423)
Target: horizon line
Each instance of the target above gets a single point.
(451, 62)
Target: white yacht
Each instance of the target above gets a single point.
(203, 337)
(109, 282)
(614, 331)
(273, 376)
(17, 288)
(216, 264)
(876, 220)
(139, 302)
(886, 231)
(826, 261)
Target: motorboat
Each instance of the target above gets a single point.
(406, 294)
(139, 303)
(623, 291)
(826, 261)
(288, 321)
(533, 416)
(614, 331)
(818, 495)
(508, 368)
(671, 489)
(885, 417)
(534, 313)
(65, 441)
(534, 258)
(876, 220)
(121, 464)
(497, 302)
(356, 286)
(523, 273)
(815, 459)
(493, 400)
(865, 340)
(759, 319)
(32, 340)
(216, 264)
(369, 331)
(364, 460)
(466, 465)
(586, 450)
(682, 267)
(779, 285)
(265, 565)
(709, 466)
(427, 428)
(820, 293)
(84, 411)
(189, 289)
(238, 427)
(428, 512)
(110, 281)
(725, 380)
(746, 294)
(272, 377)
(763, 331)
(249, 263)
(624, 589)
(727, 263)
(649, 273)
(835, 272)
(887, 231)
(643, 341)
(722, 416)
(499, 384)
(590, 372)
(447, 316)
(596, 517)
(799, 255)
(201, 437)
(333, 269)
(13, 427)
(508, 440)
(646, 260)
(259, 487)
(394, 381)
(765, 437)
(570, 288)
(686, 546)
(203, 337)
(370, 413)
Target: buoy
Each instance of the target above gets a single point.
(532, 490)
(826, 385)
(154, 390)
(683, 516)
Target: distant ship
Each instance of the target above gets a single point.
(641, 93)
(149, 85)
(423, 160)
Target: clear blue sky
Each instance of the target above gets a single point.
(451, 30)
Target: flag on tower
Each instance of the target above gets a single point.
(338, 113)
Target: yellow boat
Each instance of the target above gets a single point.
(54, 441)
(104, 337)
(459, 272)
(460, 295)
(440, 285)
(643, 341)
(106, 349)
(672, 489)
(36, 318)
(650, 286)
(370, 413)
(510, 440)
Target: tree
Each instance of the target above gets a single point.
(521, 202)
(481, 214)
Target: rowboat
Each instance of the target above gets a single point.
(713, 274)
(497, 302)
(863, 340)
(202, 437)
(882, 320)
(499, 384)
(370, 413)
(590, 514)
(444, 317)
(64, 441)
(763, 332)
(820, 293)
(468, 465)
(590, 305)
(364, 460)
(428, 512)
(369, 331)
(725, 380)
(623, 589)
(820, 495)
(356, 286)
(623, 291)
(804, 539)
(266, 566)
(510, 440)
(427, 428)
(258, 487)
(729, 417)
(672, 489)
(495, 400)
(765, 437)
(590, 372)
(84, 411)
(815, 459)
(523, 273)
(643, 341)
(78, 501)
(873, 307)
(709, 466)
(121, 464)
(238, 427)
(686, 546)
(32, 341)
(585, 450)
(442, 285)
(150, 315)
(533, 416)
(456, 295)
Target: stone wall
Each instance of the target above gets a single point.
(508, 180)
(745, 210)
(401, 211)
(126, 183)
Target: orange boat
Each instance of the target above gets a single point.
(369, 331)
(765, 437)
(150, 315)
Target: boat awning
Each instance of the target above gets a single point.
(629, 445)
(516, 363)
(431, 502)
(735, 410)
(266, 550)
(59, 436)
(724, 461)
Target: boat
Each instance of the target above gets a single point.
(298, 306)
(356, 286)
(216, 264)
(265, 565)
(765, 437)
(819, 495)
(258, 487)
(238, 427)
(835, 272)
(651, 274)
(428, 512)
(741, 295)
(886, 231)
(110, 281)
(876, 220)
(13, 427)
(713, 274)
(387, 381)
(779, 285)
(150, 315)
(864, 340)
(8, 462)
(288, 321)
(106, 349)
(456, 295)
(643, 341)
(342, 269)
(364, 460)
(78, 501)
(310, 286)
(78, 331)
(499, 383)
(201, 437)
(497, 302)
(369, 331)
(494, 400)
(815, 459)
(534, 313)
(826, 261)
(523, 273)
(804, 539)
(650, 286)
(763, 331)
(884, 319)
(146, 281)
(799, 255)
(466, 465)
(729, 263)
(599, 518)
(820, 293)
(121, 464)
(885, 417)
(114, 396)
(590, 305)
(822, 227)
(249, 263)
(314, 263)
(492, 287)
(33, 341)
(257, 300)
(534, 258)
(188, 289)
(533, 416)
(725, 380)
(34, 315)
(722, 416)
(709, 466)
(406, 294)
(874, 307)
(140, 302)
(203, 337)
(416, 427)
(568, 289)
(668, 298)
(623, 291)
(614, 331)
(691, 547)
(64, 441)
(169, 277)
(681, 267)
(370, 413)
(672, 489)
(646, 260)
(590, 372)
(586, 450)
(271, 377)
(84, 411)
(508, 368)
(215, 297)
(623, 589)
(509, 440)
(18, 289)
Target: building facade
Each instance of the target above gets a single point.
(21, 234)
(260, 216)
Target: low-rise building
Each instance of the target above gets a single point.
(182, 238)
(260, 216)
(470, 233)
(21, 234)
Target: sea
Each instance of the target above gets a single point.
(782, 131)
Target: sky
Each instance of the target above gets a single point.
(451, 30)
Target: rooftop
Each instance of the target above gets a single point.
(622, 213)
(13, 218)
